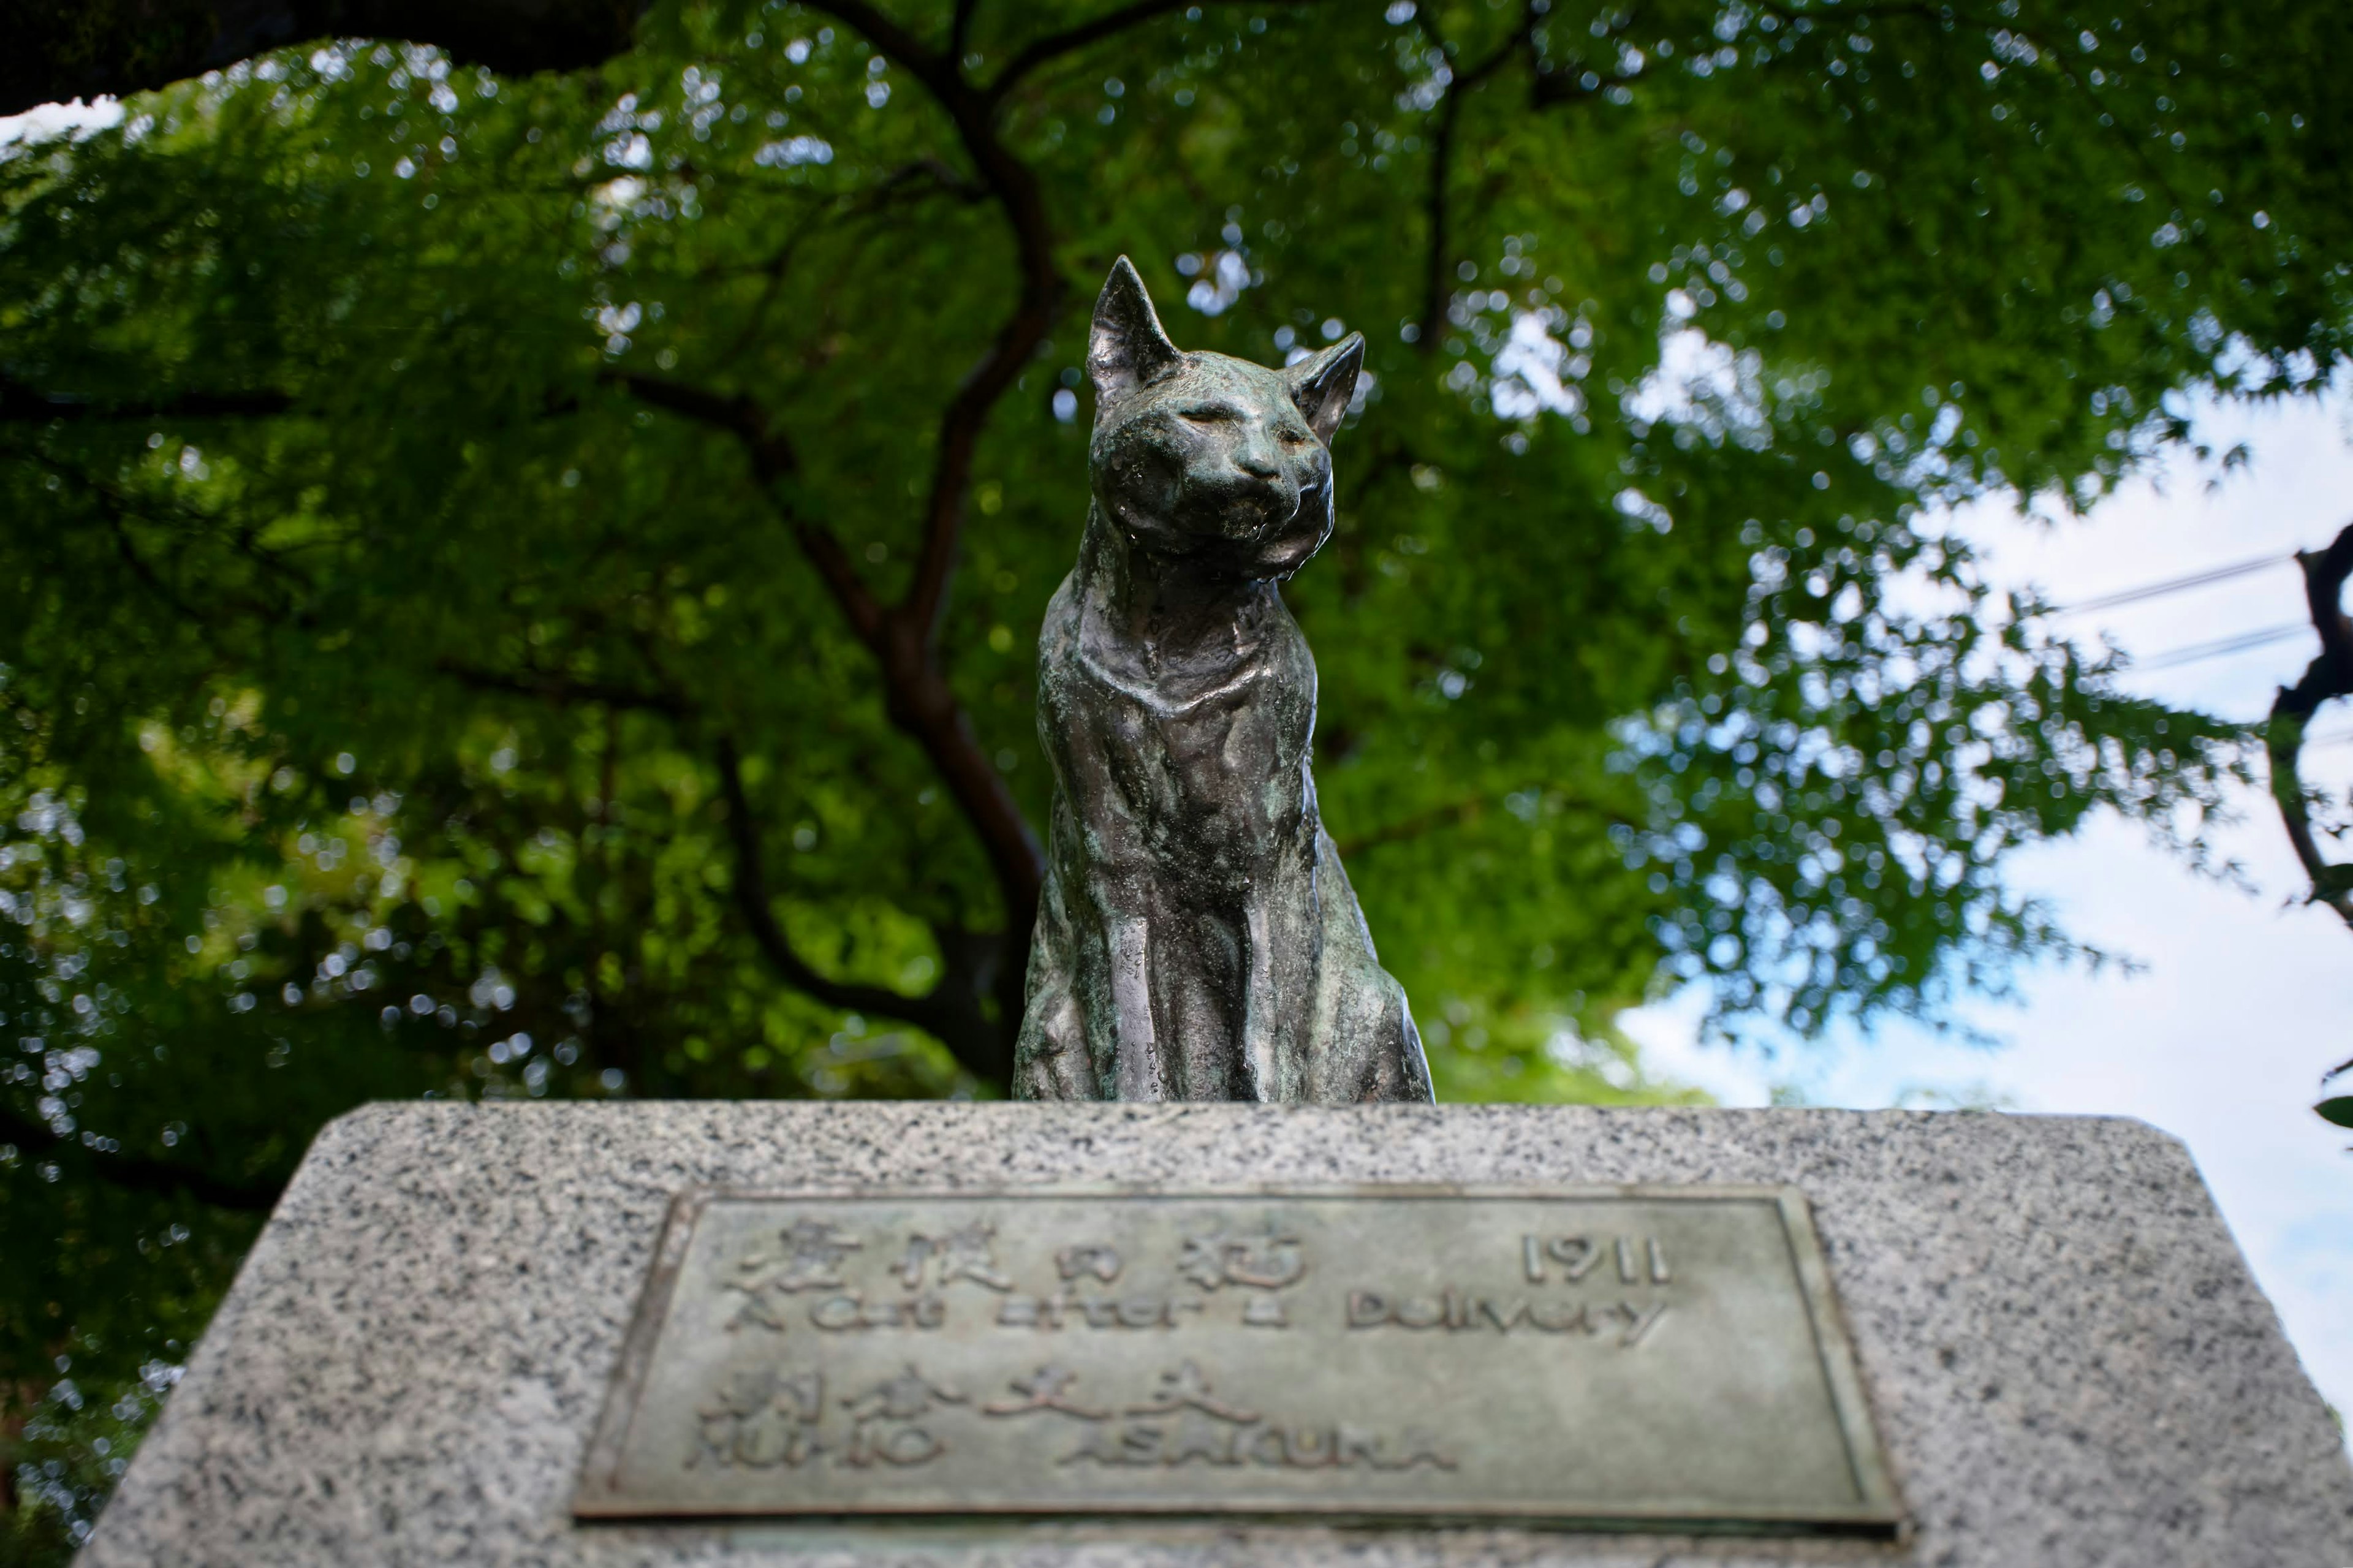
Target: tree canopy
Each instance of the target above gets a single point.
(527, 585)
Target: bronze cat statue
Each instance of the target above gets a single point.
(1198, 939)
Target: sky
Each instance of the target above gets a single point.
(2241, 1000)
(2246, 998)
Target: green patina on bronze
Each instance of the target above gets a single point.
(1196, 938)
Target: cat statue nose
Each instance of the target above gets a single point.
(1260, 465)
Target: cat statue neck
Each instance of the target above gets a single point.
(1198, 939)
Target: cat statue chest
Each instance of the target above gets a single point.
(1207, 731)
(1198, 939)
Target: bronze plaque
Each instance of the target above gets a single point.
(1663, 1355)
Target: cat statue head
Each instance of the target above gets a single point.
(1221, 463)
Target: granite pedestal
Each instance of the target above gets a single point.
(2060, 1342)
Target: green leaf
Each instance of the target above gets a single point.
(2337, 1110)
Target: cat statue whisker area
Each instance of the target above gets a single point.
(1198, 939)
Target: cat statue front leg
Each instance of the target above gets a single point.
(1088, 1032)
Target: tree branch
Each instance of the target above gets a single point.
(1451, 813)
(553, 687)
(134, 1172)
(960, 31)
(1553, 86)
(1436, 290)
(1014, 187)
(916, 693)
(111, 506)
(949, 1011)
(771, 449)
(921, 701)
(773, 459)
(2330, 675)
(938, 172)
(904, 637)
(922, 704)
(1055, 45)
(87, 48)
(21, 404)
(121, 509)
(1944, 18)
(1454, 814)
(971, 966)
(1071, 39)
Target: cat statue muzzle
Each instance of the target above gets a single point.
(1198, 939)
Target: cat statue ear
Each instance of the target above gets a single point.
(1126, 348)
(1322, 384)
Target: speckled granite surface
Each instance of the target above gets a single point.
(2065, 1354)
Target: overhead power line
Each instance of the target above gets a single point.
(2175, 585)
(2221, 647)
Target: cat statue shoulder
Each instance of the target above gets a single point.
(1198, 939)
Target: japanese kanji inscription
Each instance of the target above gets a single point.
(1668, 1355)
